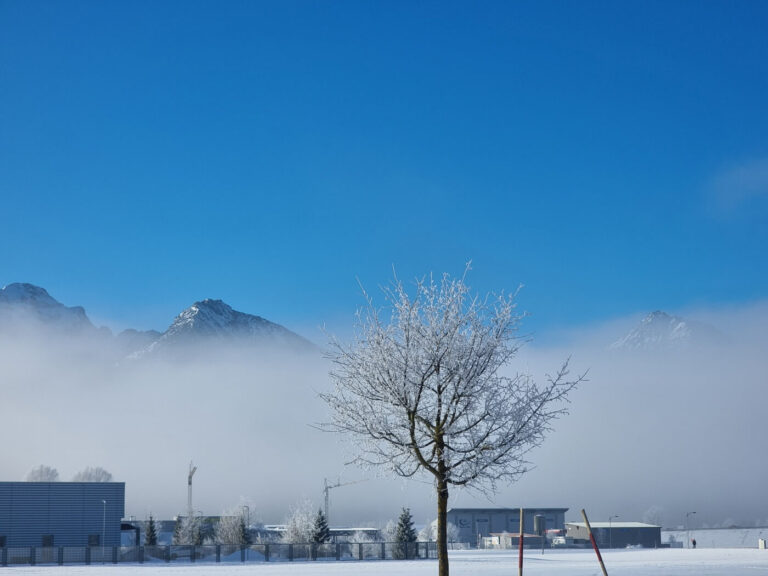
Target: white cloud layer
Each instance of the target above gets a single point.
(679, 432)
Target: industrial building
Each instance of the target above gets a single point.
(474, 524)
(616, 534)
(48, 514)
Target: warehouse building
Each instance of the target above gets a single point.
(475, 524)
(49, 514)
(616, 534)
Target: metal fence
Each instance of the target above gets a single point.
(331, 552)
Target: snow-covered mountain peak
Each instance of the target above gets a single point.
(208, 321)
(659, 330)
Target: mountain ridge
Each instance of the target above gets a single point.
(204, 322)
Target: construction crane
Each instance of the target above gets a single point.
(192, 470)
(327, 489)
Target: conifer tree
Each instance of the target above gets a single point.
(150, 535)
(245, 534)
(320, 532)
(405, 534)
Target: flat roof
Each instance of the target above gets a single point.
(507, 509)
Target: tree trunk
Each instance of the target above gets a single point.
(442, 527)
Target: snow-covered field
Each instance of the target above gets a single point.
(664, 562)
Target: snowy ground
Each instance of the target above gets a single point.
(665, 562)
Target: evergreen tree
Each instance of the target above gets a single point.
(320, 532)
(150, 534)
(404, 535)
(245, 533)
(405, 531)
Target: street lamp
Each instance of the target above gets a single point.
(687, 530)
(247, 515)
(610, 530)
(103, 530)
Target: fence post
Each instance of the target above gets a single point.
(242, 554)
(114, 554)
(383, 551)
(290, 552)
(359, 550)
(5, 556)
(168, 553)
(218, 552)
(338, 551)
(141, 554)
(192, 554)
(32, 556)
(61, 555)
(266, 552)
(87, 555)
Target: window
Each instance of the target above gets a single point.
(47, 540)
(2, 541)
(93, 539)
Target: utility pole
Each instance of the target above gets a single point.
(192, 470)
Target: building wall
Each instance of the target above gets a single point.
(619, 536)
(474, 523)
(68, 511)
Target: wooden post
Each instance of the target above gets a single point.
(520, 546)
(594, 544)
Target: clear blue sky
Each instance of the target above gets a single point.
(611, 156)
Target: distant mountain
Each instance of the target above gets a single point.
(26, 304)
(210, 322)
(130, 341)
(215, 322)
(204, 325)
(661, 331)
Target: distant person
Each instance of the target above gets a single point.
(693, 541)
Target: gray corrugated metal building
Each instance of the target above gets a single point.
(61, 513)
(476, 523)
(617, 534)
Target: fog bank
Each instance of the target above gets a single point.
(649, 435)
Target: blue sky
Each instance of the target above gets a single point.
(611, 156)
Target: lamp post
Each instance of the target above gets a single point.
(247, 516)
(103, 529)
(610, 530)
(687, 529)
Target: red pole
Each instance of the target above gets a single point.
(520, 547)
(594, 544)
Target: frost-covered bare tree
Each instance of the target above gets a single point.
(360, 537)
(300, 523)
(95, 474)
(188, 530)
(42, 473)
(231, 528)
(429, 532)
(421, 390)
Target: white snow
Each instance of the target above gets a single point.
(662, 562)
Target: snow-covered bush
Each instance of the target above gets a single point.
(300, 523)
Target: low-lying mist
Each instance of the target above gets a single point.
(649, 435)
